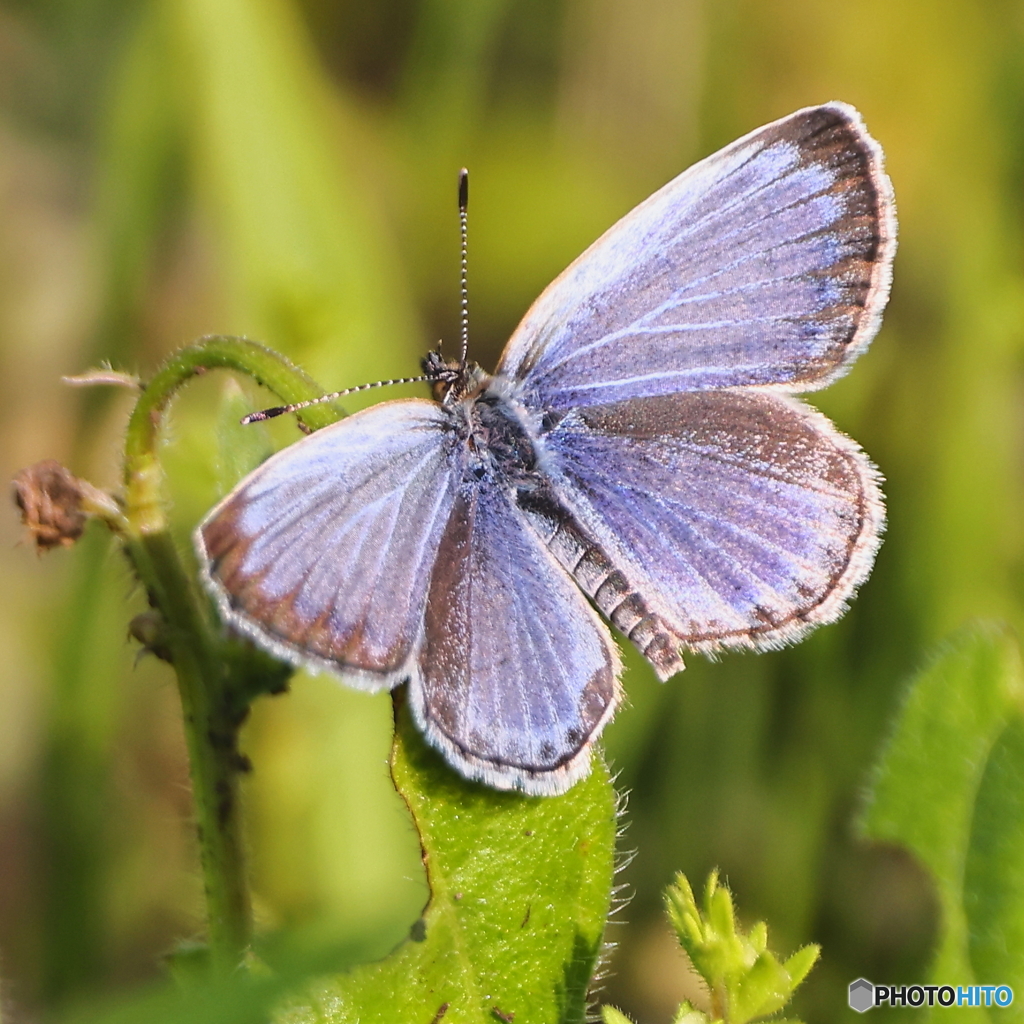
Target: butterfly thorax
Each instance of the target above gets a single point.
(495, 434)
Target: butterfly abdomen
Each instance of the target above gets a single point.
(594, 573)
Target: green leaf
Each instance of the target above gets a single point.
(744, 978)
(688, 1014)
(799, 965)
(950, 787)
(609, 1015)
(520, 888)
(994, 872)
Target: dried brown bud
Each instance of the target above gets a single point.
(50, 499)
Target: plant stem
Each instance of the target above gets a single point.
(211, 737)
(213, 696)
(143, 476)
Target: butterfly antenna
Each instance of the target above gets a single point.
(280, 410)
(464, 275)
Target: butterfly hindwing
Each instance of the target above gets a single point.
(737, 518)
(766, 263)
(517, 673)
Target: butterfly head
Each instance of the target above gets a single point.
(453, 380)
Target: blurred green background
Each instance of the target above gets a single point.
(285, 169)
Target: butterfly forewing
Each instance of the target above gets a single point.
(324, 553)
(517, 672)
(766, 263)
(738, 517)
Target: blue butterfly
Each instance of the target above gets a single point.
(638, 454)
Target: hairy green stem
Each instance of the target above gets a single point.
(213, 687)
(211, 734)
(143, 476)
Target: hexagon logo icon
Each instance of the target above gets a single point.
(862, 995)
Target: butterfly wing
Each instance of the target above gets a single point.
(323, 554)
(517, 674)
(737, 518)
(768, 263)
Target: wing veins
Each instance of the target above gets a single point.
(746, 533)
(366, 518)
(672, 303)
(397, 508)
(756, 151)
(719, 212)
(327, 492)
(764, 471)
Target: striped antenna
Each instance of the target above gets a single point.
(280, 410)
(440, 372)
(464, 276)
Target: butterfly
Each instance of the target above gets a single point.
(637, 457)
